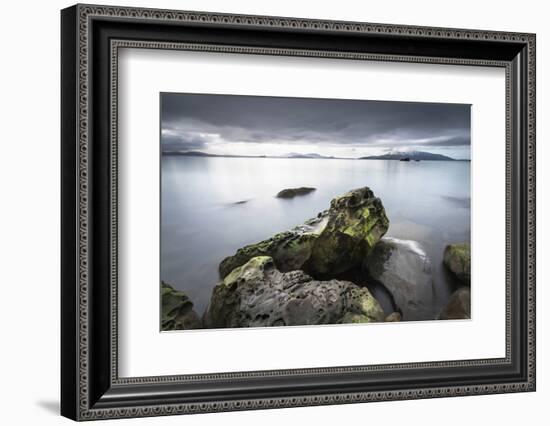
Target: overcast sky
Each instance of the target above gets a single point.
(257, 125)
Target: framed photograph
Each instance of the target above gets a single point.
(263, 212)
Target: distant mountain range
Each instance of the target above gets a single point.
(203, 154)
(289, 155)
(409, 156)
(394, 155)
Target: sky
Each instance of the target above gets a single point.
(272, 126)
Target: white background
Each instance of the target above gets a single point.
(142, 346)
(29, 225)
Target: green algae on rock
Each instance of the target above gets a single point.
(257, 294)
(177, 310)
(289, 250)
(457, 258)
(356, 222)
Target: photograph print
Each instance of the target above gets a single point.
(280, 211)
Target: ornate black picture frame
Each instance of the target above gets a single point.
(90, 38)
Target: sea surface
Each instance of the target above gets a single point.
(211, 206)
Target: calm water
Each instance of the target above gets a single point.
(427, 201)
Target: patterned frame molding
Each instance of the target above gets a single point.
(84, 397)
(116, 45)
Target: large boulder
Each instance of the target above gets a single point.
(333, 243)
(177, 310)
(356, 222)
(257, 294)
(457, 258)
(458, 306)
(405, 270)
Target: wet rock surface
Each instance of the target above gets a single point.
(403, 268)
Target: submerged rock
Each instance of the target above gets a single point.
(458, 306)
(257, 294)
(457, 258)
(337, 240)
(404, 269)
(293, 192)
(177, 310)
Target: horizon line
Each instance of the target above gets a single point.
(305, 156)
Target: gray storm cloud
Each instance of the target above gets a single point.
(196, 121)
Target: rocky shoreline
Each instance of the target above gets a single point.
(302, 276)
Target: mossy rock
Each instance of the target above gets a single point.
(177, 310)
(457, 258)
(356, 222)
(289, 250)
(257, 294)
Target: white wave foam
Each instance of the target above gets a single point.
(411, 245)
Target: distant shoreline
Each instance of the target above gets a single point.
(306, 157)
